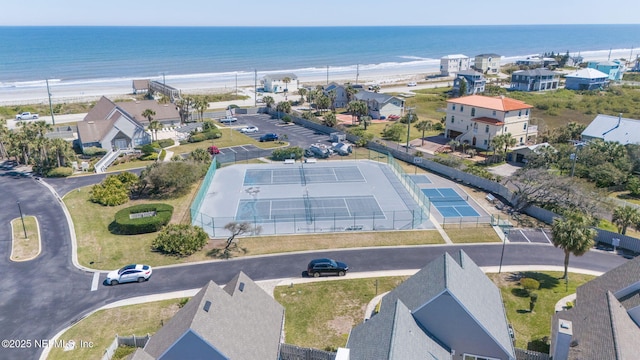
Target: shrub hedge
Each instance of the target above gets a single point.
(125, 225)
(94, 151)
(60, 172)
(163, 143)
(205, 135)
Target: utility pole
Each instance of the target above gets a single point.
(409, 110)
(53, 120)
(236, 84)
(255, 87)
(327, 74)
(357, 72)
(22, 218)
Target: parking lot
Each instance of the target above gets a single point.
(295, 135)
(540, 236)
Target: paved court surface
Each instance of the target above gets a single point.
(539, 236)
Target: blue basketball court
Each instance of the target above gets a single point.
(449, 203)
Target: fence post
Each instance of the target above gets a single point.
(373, 221)
(413, 219)
(213, 226)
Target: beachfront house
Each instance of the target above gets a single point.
(487, 63)
(603, 324)
(140, 86)
(452, 64)
(381, 105)
(613, 128)
(477, 119)
(166, 114)
(534, 80)
(473, 80)
(110, 127)
(614, 69)
(448, 310)
(237, 321)
(586, 79)
(275, 83)
(537, 61)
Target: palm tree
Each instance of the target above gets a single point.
(357, 109)
(268, 100)
(330, 120)
(625, 216)
(154, 126)
(286, 80)
(332, 96)
(453, 144)
(201, 105)
(573, 234)
(284, 106)
(302, 92)
(149, 114)
(509, 142)
(350, 90)
(497, 143)
(323, 102)
(424, 125)
(375, 88)
(4, 138)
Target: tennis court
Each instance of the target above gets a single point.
(309, 174)
(309, 208)
(449, 203)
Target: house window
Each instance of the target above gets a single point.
(525, 126)
(461, 108)
(486, 129)
(485, 142)
(452, 118)
(453, 106)
(505, 129)
(520, 113)
(526, 112)
(521, 140)
(494, 113)
(473, 111)
(475, 126)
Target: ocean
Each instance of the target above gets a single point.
(104, 57)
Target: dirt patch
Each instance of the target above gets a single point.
(341, 324)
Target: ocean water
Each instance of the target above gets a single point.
(104, 56)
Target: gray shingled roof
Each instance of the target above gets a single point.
(602, 329)
(240, 320)
(536, 72)
(613, 128)
(370, 95)
(164, 112)
(457, 275)
(394, 335)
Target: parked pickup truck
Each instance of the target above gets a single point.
(26, 116)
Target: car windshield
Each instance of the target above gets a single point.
(126, 268)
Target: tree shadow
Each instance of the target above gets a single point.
(220, 253)
(519, 292)
(540, 345)
(523, 311)
(546, 281)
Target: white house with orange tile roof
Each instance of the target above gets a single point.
(477, 119)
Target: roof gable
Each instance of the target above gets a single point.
(499, 103)
(588, 73)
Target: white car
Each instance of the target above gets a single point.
(228, 120)
(413, 83)
(249, 129)
(129, 273)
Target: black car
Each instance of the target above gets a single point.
(269, 137)
(319, 267)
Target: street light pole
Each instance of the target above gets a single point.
(22, 218)
(408, 126)
(504, 241)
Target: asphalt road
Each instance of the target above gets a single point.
(42, 296)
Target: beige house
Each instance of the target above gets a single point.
(477, 119)
(487, 63)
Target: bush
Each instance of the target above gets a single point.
(180, 240)
(94, 151)
(110, 192)
(530, 284)
(151, 156)
(286, 119)
(149, 148)
(124, 224)
(60, 172)
(163, 154)
(165, 142)
(171, 179)
(287, 153)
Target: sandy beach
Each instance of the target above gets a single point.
(91, 90)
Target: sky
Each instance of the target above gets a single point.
(313, 13)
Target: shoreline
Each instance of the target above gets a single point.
(76, 91)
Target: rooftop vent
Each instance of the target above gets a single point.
(241, 287)
(207, 306)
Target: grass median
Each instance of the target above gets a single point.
(25, 247)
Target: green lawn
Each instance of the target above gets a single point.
(533, 329)
(29, 247)
(102, 327)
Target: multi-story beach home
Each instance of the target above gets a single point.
(487, 63)
(452, 64)
(474, 81)
(534, 80)
(477, 119)
(339, 94)
(275, 83)
(615, 69)
(613, 128)
(586, 79)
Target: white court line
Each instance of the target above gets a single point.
(545, 235)
(525, 236)
(94, 283)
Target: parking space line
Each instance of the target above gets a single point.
(547, 237)
(94, 283)
(525, 236)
